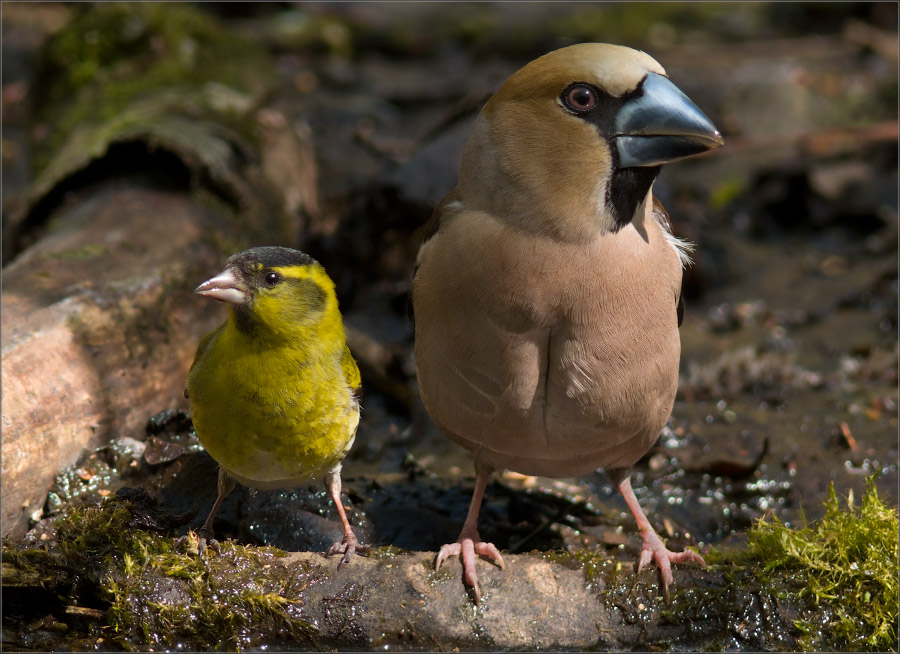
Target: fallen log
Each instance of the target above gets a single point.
(136, 204)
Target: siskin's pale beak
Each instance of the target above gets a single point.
(225, 287)
(662, 125)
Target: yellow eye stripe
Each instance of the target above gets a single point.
(315, 274)
(312, 299)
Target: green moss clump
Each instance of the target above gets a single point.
(111, 56)
(157, 595)
(237, 600)
(847, 561)
(86, 533)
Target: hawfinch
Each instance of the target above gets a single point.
(546, 295)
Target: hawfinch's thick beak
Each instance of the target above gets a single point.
(662, 125)
(225, 287)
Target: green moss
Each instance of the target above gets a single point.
(88, 251)
(385, 553)
(29, 567)
(171, 600)
(848, 562)
(88, 534)
(592, 563)
(111, 56)
(161, 597)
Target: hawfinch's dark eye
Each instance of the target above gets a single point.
(579, 98)
(272, 278)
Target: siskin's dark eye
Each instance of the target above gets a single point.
(272, 278)
(579, 98)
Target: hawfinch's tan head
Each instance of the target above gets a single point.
(572, 142)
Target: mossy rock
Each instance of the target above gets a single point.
(111, 55)
(158, 90)
(152, 593)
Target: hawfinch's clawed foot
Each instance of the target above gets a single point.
(654, 549)
(466, 548)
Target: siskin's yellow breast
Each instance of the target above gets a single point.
(273, 416)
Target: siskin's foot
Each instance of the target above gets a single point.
(347, 546)
(468, 545)
(654, 549)
(198, 542)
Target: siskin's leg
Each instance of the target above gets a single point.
(348, 544)
(206, 534)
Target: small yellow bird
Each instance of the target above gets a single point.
(274, 391)
(547, 291)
